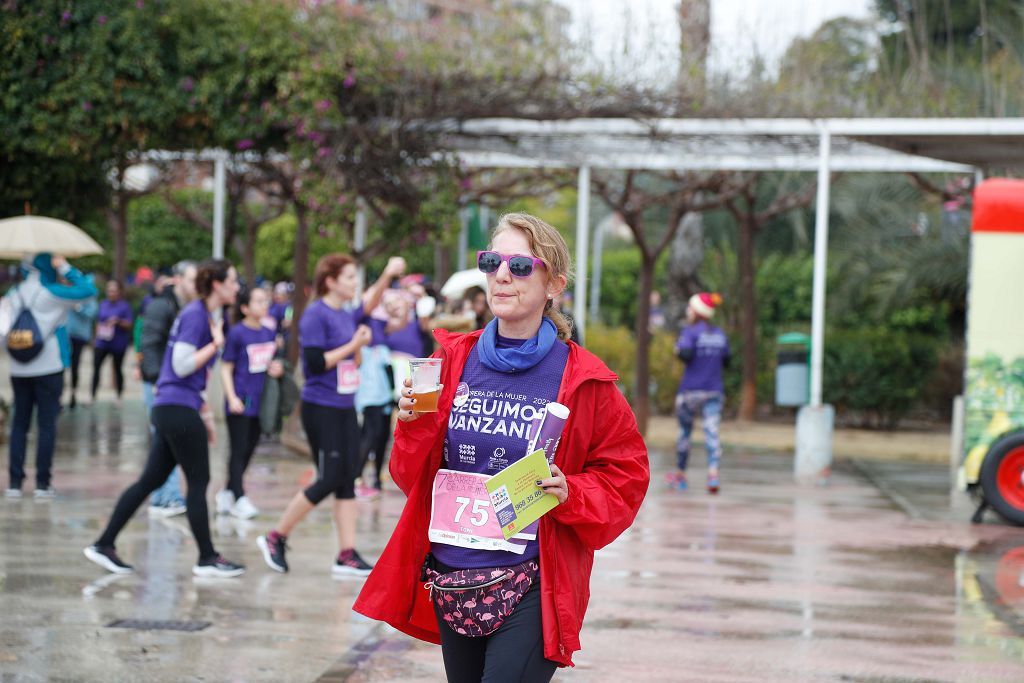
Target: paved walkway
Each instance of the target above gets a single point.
(765, 582)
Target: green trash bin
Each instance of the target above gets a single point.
(793, 370)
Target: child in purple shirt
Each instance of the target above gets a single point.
(705, 350)
(249, 356)
(113, 329)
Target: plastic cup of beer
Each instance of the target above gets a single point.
(426, 383)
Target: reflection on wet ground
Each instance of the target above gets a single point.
(766, 582)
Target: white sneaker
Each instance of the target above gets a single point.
(244, 509)
(169, 510)
(12, 493)
(45, 494)
(224, 500)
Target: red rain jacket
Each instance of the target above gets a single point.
(604, 459)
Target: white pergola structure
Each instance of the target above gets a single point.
(823, 146)
(809, 145)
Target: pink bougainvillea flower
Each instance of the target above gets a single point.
(65, 17)
(323, 105)
(101, 19)
(187, 84)
(245, 143)
(139, 4)
(350, 80)
(323, 151)
(87, 106)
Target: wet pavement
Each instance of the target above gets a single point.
(765, 582)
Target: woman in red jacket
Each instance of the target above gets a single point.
(494, 383)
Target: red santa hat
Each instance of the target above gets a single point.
(704, 304)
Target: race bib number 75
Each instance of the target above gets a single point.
(461, 513)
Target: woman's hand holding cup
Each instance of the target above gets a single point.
(407, 404)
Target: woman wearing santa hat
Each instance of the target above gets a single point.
(705, 350)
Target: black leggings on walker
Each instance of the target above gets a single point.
(180, 439)
(117, 358)
(512, 654)
(333, 435)
(244, 436)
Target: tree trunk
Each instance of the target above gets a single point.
(301, 279)
(641, 395)
(249, 251)
(119, 229)
(442, 261)
(685, 256)
(748, 316)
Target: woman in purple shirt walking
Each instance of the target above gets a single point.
(705, 350)
(331, 334)
(113, 329)
(181, 436)
(249, 356)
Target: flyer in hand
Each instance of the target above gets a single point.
(515, 497)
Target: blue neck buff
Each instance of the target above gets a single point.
(518, 358)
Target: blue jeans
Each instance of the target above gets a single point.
(40, 395)
(709, 405)
(170, 492)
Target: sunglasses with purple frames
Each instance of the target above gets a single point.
(518, 265)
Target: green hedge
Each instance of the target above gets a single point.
(872, 376)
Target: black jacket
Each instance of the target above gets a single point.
(156, 329)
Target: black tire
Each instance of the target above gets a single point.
(1009, 504)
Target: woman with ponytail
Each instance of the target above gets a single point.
(182, 424)
(495, 381)
(705, 350)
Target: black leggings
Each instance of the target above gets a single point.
(98, 356)
(76, 359)
(180, 439)
(333, 435)
(376, 432)
(244, 436)
(514, 653)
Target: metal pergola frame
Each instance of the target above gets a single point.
(930, 145)
(821, 145)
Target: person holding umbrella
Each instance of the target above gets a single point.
(37, 369)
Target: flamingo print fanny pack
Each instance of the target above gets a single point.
(476, 602)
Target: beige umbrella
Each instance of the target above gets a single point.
(26, 235)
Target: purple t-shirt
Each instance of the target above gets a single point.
(490, 432)
(192, 326)
(406, 339)
(111, 336)
(324, 328)
(710, 348)
(251, 351)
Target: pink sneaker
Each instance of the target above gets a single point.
(367, 493)
(676, 480)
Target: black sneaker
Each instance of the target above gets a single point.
(108, 559)
(351, 565)
(273, 547)
(217, 568)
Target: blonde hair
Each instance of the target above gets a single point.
(549, 246)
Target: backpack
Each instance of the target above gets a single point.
(25, 340)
